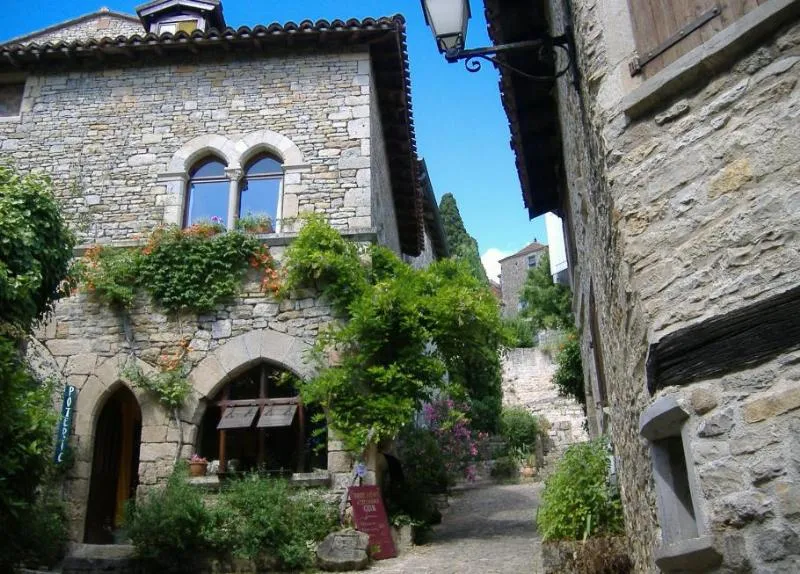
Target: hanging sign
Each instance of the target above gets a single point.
(65, 423)
(370, 518)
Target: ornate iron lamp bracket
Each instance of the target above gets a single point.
(546, 49)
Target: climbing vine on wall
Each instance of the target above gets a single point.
(191, 269)
(404, 330)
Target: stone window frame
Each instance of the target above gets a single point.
(18, 79)
(707, 59)
(235, 153)
(687, 545)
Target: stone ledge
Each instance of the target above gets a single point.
(710, 57)
(662, 419)
(365, 234)
(691, 555)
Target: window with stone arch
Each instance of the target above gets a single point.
(207, 192)
(260, 192)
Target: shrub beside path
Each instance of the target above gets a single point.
(488, 529)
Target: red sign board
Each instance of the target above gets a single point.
(370, 517)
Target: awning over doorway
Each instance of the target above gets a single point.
(277, 416)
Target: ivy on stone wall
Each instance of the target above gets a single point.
(404, 330)
(192, 269)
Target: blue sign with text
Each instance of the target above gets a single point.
(65, 424)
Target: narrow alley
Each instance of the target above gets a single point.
(488, 529)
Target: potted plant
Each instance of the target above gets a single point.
(255, 223)
(198, 465)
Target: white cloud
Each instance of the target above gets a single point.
(491, 262)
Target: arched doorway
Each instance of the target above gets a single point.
(115, 465)
(258, 422)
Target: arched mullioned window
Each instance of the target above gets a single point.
(260, 189)
(207, 192)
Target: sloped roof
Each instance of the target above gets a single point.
(530, 105)
(384, 37)
(102, 12)
(528, 249)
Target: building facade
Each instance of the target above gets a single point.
(513, 272)
(670, 150)
(172, 117)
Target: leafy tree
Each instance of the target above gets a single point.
(546, 304)
(461, 244)
(404, 329)
(35, 253)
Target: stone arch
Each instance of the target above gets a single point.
(270, 142)
(239, 354)
(196, 148)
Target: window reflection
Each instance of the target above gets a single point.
(261, 188)
(207, 193)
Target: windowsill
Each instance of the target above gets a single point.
(662, 419)
(691, 555)
(710, 57)
(366, 234)
(11, 119)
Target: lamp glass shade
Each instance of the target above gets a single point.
(448, 21)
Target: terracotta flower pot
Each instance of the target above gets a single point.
(198, 468)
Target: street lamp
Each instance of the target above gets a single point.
(448, 21)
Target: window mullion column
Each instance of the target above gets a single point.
(234, 175)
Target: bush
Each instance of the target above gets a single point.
(44, 537)
(266, 521)
(505, 468)
(577, 501)
(519, 428)
(423, 460)
(569, 370)
(168, 525)
(519, 333)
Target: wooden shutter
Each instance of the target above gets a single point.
(665, 30)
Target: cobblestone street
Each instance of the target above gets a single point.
(487, 530)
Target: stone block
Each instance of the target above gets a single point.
(358, 128)
(153, 434)
(731, 178)
(776, 402)
(716, 425)
(703, 401)
(340, 461)
(741, 508)
(721, 477)
(81, 364)
(776, 543)
(67, 347)
(788, 494)
(221, 329)
(343, 551)
(150, 452)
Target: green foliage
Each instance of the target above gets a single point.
(519, 428)
(462, 246)
(505, 468)
(255, 223)
(35, 248)
(44, 535)
(405, 329)
(194, 271)
(568, 376)
(258, 518)
(111, 274)
(320, 258)
(170, 386)
(423, 461)
(519, 333)
(577, 501)
(546, 304)
(167, 526)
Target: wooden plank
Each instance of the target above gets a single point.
(238, 418)
(732, 342)
(274, 416)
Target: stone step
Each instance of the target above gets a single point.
(105, 558)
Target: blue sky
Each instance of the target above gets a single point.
(461, 129)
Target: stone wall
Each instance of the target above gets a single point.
(107, 137)
(676, 217)
(98, 26)
(528, 382)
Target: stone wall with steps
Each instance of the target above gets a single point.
(528, 382)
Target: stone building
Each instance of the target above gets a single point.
(670, 147)
(171, 117)
(513, 272)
